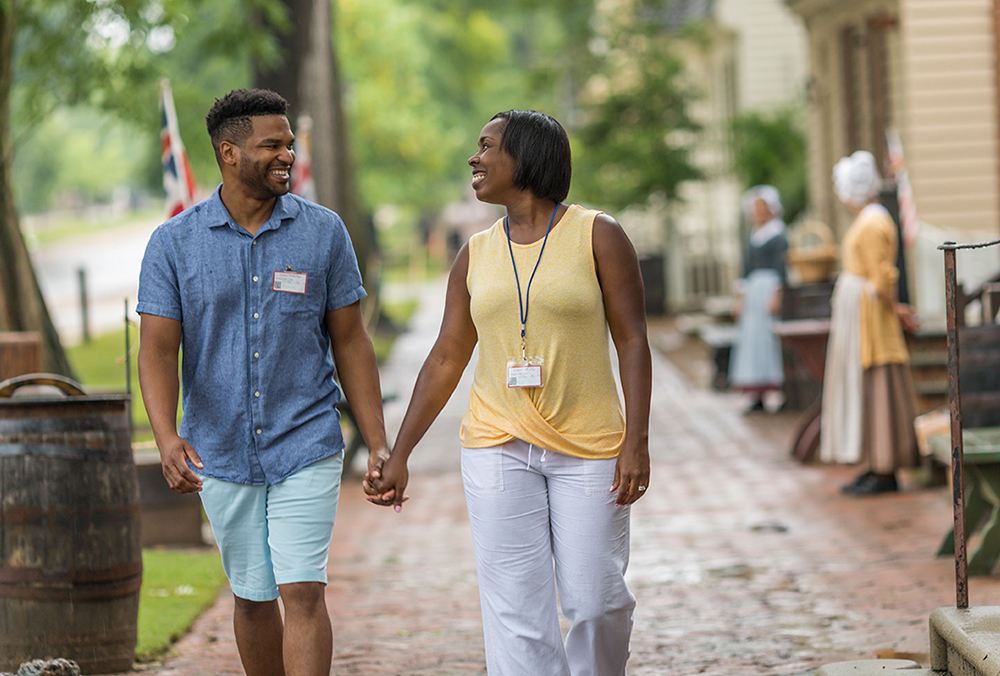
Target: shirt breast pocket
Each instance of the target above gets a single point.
(301, 293)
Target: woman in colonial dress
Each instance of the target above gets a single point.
(756, 366)
(868, 395)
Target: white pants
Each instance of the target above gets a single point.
(529, 507)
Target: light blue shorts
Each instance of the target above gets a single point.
(276, 533)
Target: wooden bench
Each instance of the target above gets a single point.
(979, 378)
(981, 459)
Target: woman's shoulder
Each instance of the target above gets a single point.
(876, 214)
(585, 214)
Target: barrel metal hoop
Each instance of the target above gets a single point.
(74, 575)
(82, 584)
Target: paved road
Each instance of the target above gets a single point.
(743, 560)
(110, 260)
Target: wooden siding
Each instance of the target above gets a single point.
(844, 115)
(949, 53)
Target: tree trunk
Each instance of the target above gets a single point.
(310, 79)
(22, 306)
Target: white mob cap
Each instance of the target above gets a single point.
(856, 179)
(771, 198)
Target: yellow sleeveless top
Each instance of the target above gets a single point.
(577, 410)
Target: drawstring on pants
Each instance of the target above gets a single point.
(544, 451)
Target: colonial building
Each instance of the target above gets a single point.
(927, 69)
(741, 56)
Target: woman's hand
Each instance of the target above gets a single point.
(907, 317)
(631, 475)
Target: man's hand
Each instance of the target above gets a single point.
(173, 457)
(376, 460)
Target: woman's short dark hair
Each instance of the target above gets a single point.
(229, 119)
(540, 146)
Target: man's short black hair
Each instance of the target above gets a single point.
(229, 117)
(540, 146)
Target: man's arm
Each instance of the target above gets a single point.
(357, 371)
(159, 348)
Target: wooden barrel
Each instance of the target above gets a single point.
(70, 554)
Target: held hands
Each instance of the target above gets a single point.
(174, 457)
(386, 479)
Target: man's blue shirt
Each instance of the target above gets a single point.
(259, 399)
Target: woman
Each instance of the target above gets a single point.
(549, 462)
(756, 367)
(868, 395)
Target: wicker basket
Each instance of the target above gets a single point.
(813, 255)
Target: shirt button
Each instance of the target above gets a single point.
(256, 394)
(256, 316)
(255, 278)
(258, 430)
(256, 355)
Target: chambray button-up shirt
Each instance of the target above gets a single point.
(259, 399)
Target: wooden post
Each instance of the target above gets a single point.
(20, 353)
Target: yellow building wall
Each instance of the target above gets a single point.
(950, 99)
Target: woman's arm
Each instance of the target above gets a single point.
(624, 306)
(435, 384)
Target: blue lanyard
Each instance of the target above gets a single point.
(523, 305)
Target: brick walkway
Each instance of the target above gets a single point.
(744, 561)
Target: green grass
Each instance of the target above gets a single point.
(100, 367)
(177, 586)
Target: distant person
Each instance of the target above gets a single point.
(550, 463)
(756, 367)
(868, 395)
(257, 285)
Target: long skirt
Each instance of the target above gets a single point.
(756, 360)
(867, 414)
(890, 439)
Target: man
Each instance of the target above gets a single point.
(256, 285)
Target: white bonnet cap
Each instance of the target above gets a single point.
(856, 179)
(771, 198)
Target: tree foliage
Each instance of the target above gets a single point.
(63, 74)
(421, 78)
(636, 130)
(771, 149)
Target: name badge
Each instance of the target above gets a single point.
(289, 282)
(524, 375)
